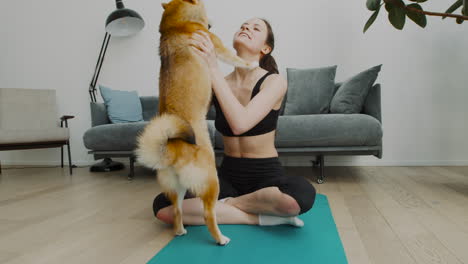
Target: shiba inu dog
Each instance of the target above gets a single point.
(176, 141)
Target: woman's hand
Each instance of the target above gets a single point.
(201, 43)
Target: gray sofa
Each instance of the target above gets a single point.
(318, 135)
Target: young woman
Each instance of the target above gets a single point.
(253, 186)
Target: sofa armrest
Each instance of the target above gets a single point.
(98, 114)
(372, 104)
(149, 106)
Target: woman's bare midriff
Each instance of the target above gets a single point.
(259, 146)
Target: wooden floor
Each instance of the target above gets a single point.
(383, 214)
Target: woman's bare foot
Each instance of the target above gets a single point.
(269, 201)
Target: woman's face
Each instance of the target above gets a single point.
(252, 35)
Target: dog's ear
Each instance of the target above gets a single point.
(192, 1)
(164, 5)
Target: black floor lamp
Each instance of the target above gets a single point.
(122, 22)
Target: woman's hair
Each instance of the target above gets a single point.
(267, 61)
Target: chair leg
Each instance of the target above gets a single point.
(0, 167)
(132, 168)
(61, 154)
(69, 157)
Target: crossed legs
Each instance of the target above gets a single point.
(237, 210)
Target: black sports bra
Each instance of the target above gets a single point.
(268, 123)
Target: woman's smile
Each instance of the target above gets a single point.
(243, 33)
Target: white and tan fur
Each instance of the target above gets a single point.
(176, 142)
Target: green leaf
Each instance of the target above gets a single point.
(453, 7)
(396, 15)
(371, 19)
(418, 18)
(373, 5)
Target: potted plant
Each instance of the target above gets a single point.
(398, 10)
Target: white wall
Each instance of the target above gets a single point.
(55, 44)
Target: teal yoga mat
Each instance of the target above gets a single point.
(317, 241)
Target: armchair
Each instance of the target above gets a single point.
(28, 120)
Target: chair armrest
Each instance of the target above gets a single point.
(65, 118)
(372, 104)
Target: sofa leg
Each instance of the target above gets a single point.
(320, 180)
(319, 162)
(316, 162)
(132, 168)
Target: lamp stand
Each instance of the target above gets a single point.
(97, 69)
(107, 164)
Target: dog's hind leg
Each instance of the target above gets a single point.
(176, 197)
(169, 182)
(201, 178)
(209, 198)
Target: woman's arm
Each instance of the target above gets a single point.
(243, 118)
(240, 118)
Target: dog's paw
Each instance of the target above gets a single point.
(181, 232)
(224, 241)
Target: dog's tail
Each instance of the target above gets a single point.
(152, 150)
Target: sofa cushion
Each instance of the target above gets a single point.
(219, 144)
(12, 136)
(328, 130)
(122, 106)
(350, 96)
(211, 114)
(309, 90)
(121, 136)
(211, 131)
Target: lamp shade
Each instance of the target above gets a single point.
(123, 21)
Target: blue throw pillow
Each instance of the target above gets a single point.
(122, 106)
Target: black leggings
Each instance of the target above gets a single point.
(239, 176)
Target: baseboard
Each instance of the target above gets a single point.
(286, 161)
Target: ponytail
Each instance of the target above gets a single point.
(268, 63)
